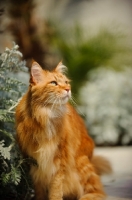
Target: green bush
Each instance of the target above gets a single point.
(107, 104)
(82, 52)
(13, 167)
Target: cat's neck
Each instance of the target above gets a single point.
(51, 120)
(49, 111)
(48, 117)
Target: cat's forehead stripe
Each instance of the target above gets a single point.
(59, 77)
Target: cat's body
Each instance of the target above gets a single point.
(50, 131)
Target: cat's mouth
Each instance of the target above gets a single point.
(66, 97)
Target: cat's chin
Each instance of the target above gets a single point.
(55, 105)
(65, 99)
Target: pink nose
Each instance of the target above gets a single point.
(67, 90)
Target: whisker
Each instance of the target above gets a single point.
(72, 100)
(49, 100)
(59, 98)
(53, 105)
(60, 102)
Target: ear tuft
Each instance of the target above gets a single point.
(61, 68)
(36, 73)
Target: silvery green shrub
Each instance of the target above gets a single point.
(14, 182)
(107, 105)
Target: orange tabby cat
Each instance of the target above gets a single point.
(50, 131)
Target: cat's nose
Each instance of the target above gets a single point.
(67, 90)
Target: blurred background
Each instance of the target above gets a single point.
(93, 38)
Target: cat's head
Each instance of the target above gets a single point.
(49, 87)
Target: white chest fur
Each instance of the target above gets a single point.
(45, 159)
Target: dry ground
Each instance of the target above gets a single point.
(118, 186)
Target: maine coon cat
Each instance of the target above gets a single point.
(50, 131)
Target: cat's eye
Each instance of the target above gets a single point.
(67, 82)
(53, 83)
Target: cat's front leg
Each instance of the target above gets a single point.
(55, 189)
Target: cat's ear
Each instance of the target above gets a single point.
(36, 73)
(61, 68)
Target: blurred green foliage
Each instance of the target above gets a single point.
(82, 52)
